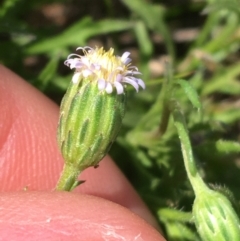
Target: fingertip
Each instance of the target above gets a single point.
(115, 189)
(68, 216)
(28, 149)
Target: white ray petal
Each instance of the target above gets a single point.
(76, 77)
(133, 67)
(66, 62)
(125, 56)
(119, 88)
(119, 78)
(109, 88)
(72, 63)
(101, 84)
(132, 82)
(119, 68)
(76, 55)
(84, 48)
(85, 61)
(127, 61)
(141, 83)
(86, 72)
(133, 72)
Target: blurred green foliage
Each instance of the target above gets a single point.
(34, 42)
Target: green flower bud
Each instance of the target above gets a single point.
(92, 109)
(89, 123)
(215, 217)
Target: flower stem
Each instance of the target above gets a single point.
(68, 179)
(189, 162)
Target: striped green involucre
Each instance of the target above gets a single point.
(89, 123)
(92, 110)
(215, 217)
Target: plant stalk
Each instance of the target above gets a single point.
(68, 179)
(189, 162)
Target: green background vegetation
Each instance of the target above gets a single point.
(201, 40)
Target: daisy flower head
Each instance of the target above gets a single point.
(108, 70)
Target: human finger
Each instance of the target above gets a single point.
(37, 216)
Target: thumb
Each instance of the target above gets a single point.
(69, 216)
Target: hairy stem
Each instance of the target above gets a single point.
(189, 162)
(68, 179)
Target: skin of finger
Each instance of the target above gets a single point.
(37, 216)
(29, 156)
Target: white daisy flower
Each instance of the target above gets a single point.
(110, 71)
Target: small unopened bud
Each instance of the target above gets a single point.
(89, 123)
(92, 110)
(215, 218)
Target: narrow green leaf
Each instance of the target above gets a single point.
(190, 92)
(217, 151)
(174, 215)
(48, 72)
(78, 34)
(180, 232)
(144, 41)
(228, 146)
(226, 115)
(224, 81)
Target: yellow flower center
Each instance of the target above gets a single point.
(109, 64)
